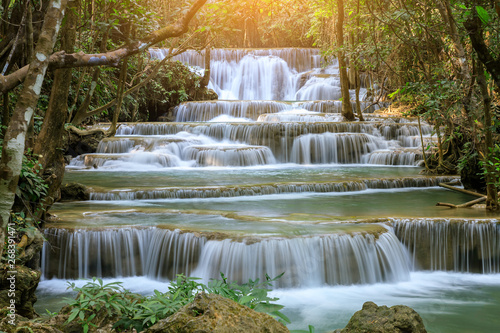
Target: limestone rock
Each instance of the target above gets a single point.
(214, 313)
(74, 191)
(24, 283)
(23, 325)
(78, 145)
(381, 319)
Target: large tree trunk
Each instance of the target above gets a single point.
(49, 144)
(13, 146)
(491, 190)
(344, 79)
(474, 29)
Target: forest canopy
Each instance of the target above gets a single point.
(65, 63)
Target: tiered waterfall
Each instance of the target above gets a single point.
(265, 180)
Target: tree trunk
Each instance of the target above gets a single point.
(49, 144)
(206, 76)
(5, 114)
(358, 79)
(474, 30)
(491, 190)
(81, 112)
(119, 98)
(13, 147)
(29, 34)
(344, 79)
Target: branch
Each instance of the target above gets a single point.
(112, 58)
(465, 205)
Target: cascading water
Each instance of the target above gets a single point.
(331, 259)
(472, 246)
(269, 179)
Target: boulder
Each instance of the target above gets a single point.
(74, 191)
(24, 325)
(18, 287)
(214, 313)
(381, 319)
(78, 145)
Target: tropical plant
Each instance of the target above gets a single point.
(96, 300)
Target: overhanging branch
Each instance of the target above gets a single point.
(112, 58)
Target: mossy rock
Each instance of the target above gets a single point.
(381, 319)
(214, 313)
(24, 282)
(74, 192)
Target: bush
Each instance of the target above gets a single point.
(96, 299)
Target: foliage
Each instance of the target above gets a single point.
(22, 225)
(96, 299)
(175, 83)
(491, 165)
(31, 186)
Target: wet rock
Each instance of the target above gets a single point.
(208, 95)
(74, 191)
(214, 313)
(78, 145)
(18, 287)
(381, 319)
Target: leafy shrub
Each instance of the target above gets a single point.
(31, 186)
(140, 312)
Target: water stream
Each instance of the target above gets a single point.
(268, 179)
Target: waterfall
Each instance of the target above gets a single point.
(268, 189)
(454, 245)
(301, 60)
(205, 111)
(333, 148)
(158, 253)
(229, 155)
(152, 252)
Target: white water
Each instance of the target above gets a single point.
(447, 302)
(253, 158)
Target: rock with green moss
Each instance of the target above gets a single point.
(214, 313)
(23, 325)
(74, 192)
(381, 319)
(17, 287)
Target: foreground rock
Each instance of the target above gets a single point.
(24, 282)
(381, 319)
(214, 313)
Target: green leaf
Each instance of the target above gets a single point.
(483, 14)
(73, 315)
(245, 299)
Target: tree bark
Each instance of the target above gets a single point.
(344, 79)
(13, 147)
(49, 143)
(5, 114)
(29, 34)
(206, 76)
(491, 190)
(474, 29)
(112, 58)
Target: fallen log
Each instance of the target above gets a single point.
(457, 189)
(465, 205)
